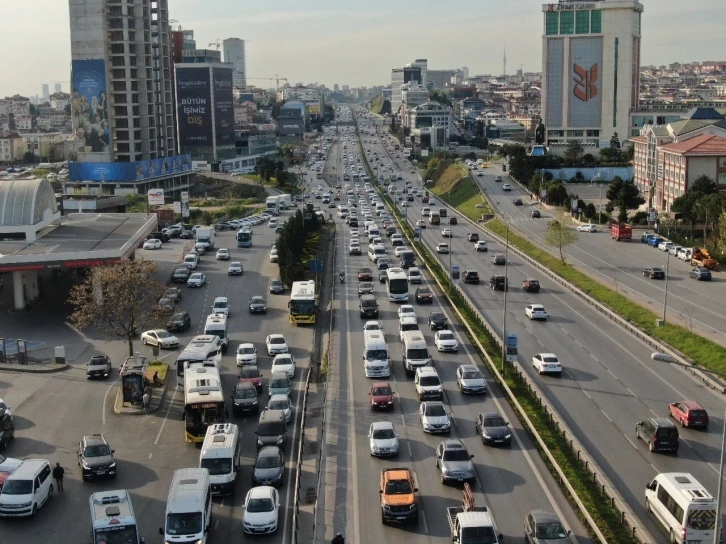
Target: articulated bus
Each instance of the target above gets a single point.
(302, 302)
(203, 401)
(397, 285)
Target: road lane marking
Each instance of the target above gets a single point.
(605, 414)
(166, 416)
(613, 375)
(422, 515)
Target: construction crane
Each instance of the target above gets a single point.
(276, 79)
(216, 44)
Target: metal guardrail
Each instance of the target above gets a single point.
(606, 487)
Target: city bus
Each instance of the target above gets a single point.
(203, 401)
(397, 285)
(302, 302)
(244, 238)
(202, 350)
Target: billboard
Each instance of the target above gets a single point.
(585, 82)
(194, 107)
(313, 109)
(89, 106)
(223, 106)
(555, 60)
(156, 197)
(129, 171)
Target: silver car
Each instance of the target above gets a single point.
(454, 462)
(434, 417)
(279, 384)
(383, 439)
(282, 403)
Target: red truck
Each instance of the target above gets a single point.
(621, 232)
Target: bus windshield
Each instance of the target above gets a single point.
(302, 307)
(398, 286)
(115, 535)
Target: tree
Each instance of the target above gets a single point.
(119, 300)
(615, 141)
(539, 133)
(625, 195)
(590, 211)
(685, 206)
(574, 151)
(722, 230)
(556, 194)
(704, 185)
(559, 237)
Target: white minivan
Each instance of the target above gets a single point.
(188, 507)
(27, 489)
(220, 455)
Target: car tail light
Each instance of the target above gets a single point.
(683, 534)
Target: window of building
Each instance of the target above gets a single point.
(582, 21)
(567, 22)
(722, 179)
(722, 162)
(596, 21)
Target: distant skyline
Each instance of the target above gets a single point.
(330, 42)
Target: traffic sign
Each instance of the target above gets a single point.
(511, 342)
(416, 234)
(315, 265)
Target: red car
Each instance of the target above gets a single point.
(381, 396)
(688, 413)
(252, 375)
(365, 274)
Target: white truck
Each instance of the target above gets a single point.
(272, 205)
(471, 524)
(205, 236)
(284, 201)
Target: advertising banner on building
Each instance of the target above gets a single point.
(89, 105)
(223, 106)
(185, 204)
(585, 82)
(129, 171)
(313, 109)
(194, 107)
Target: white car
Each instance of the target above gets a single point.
(246, 354)
(470, 379)
(421, 224)
(160, 337)
(665, 246)
(406, 310)
(273, 256)
(235, 269)
(547, 363)
(223, 254)
(398, 250)
(434, 417)
(587, 227)
(197, 279)
(261, 510)
(481, 245)
(272, 223)
(535, 311)
(446, 233)
(221, 306)
(276, 343)
(446, 341)
(383, 439)
(152, 244)
(675, 249)
(284, 362)
(372, 326)
(506, 187)
(442, 248)
(280, 401)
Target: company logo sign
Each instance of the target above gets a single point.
(192, 84)
(585, 80)
(156, 197)
(571, 6)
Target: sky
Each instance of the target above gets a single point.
(353, 43)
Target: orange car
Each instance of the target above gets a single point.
(399, 503)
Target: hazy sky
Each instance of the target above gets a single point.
(354, 43)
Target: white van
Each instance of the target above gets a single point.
(415, 352)
(220, 455)
(684, 507)
(685, 253)
(428, 384)
(112, 517)
(188, 507)
(27, 489)
(191, 260)
(375, 252)
(216, 325)
(375, 355)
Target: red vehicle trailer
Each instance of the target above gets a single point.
(621, 232)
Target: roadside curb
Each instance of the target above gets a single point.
(35, 369)
(156, 402)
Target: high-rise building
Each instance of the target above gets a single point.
(590, 70)
(46, 91)
(58, 88)
(423, 64)
(234, 53)
(121, 97)
(399, 76)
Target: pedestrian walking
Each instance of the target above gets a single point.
(148, 390)
(58, 472)
(147, 403)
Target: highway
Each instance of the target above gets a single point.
(511, 480)
(619, 265)
(609, 382)
(52, 412)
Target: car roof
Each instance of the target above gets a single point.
(469, 366)
(269, 451)
(543, 516)
(453, 444)
(261, 492)
(382, 425)
(547, 355)
(244, 385)
(692, 404)
(94, 439)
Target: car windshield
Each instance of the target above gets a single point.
(398, 487)
(249, 372)
(281, 404)
(97, 451)
(257, 300)
(255, 506)
(277, 340)
(17, 487)
(163, 334)
(446, 336)
(381, 391)
(456, 455)
(437, 317)
(382, 434)
(692, 413)
(472, 375)
(494, 421)
(418, 354)
(478, 535)
(217, 466)
(188, 523)
(376, 354)
(220, 304)
(245, 350)
(269, 461)
(246, 393)
(276, 283)
(550, 359)
(551, 530)
(277, 383)
(435, 410)
(178, 317)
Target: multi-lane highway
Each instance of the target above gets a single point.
(619, 265)
(609, 382)
(53, 412)
(511, 480)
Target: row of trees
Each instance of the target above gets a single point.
(703, 203)
(268, 168)
(291, 245)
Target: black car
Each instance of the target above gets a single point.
(181, 275)
(517, 201)
(244, 399)
(257, 305)
(472, 236)
(453, 221)
(163, 236)
(471, 276)
(180, 321)
(383, 276)
(498, 283)
(535, 214)
(98, 367)
(390, 231)
(276, 287)
(367, 306)
(659, 433)
(498, 259)
(654, 273)
(701, 274)
(365, 288)
(186, 235)
(493, 429)
(269, 467)
(95, 457)
(437, 321)
(424, 295)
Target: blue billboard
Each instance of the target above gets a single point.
(89, 105)
(129, 171)
(194, 106)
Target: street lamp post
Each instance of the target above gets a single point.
(666, 358)
(665, 296)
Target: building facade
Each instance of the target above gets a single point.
(12, 147)
(591, 70)
(430, 124)
(234, 54)
(292, 122)
(399, 76)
